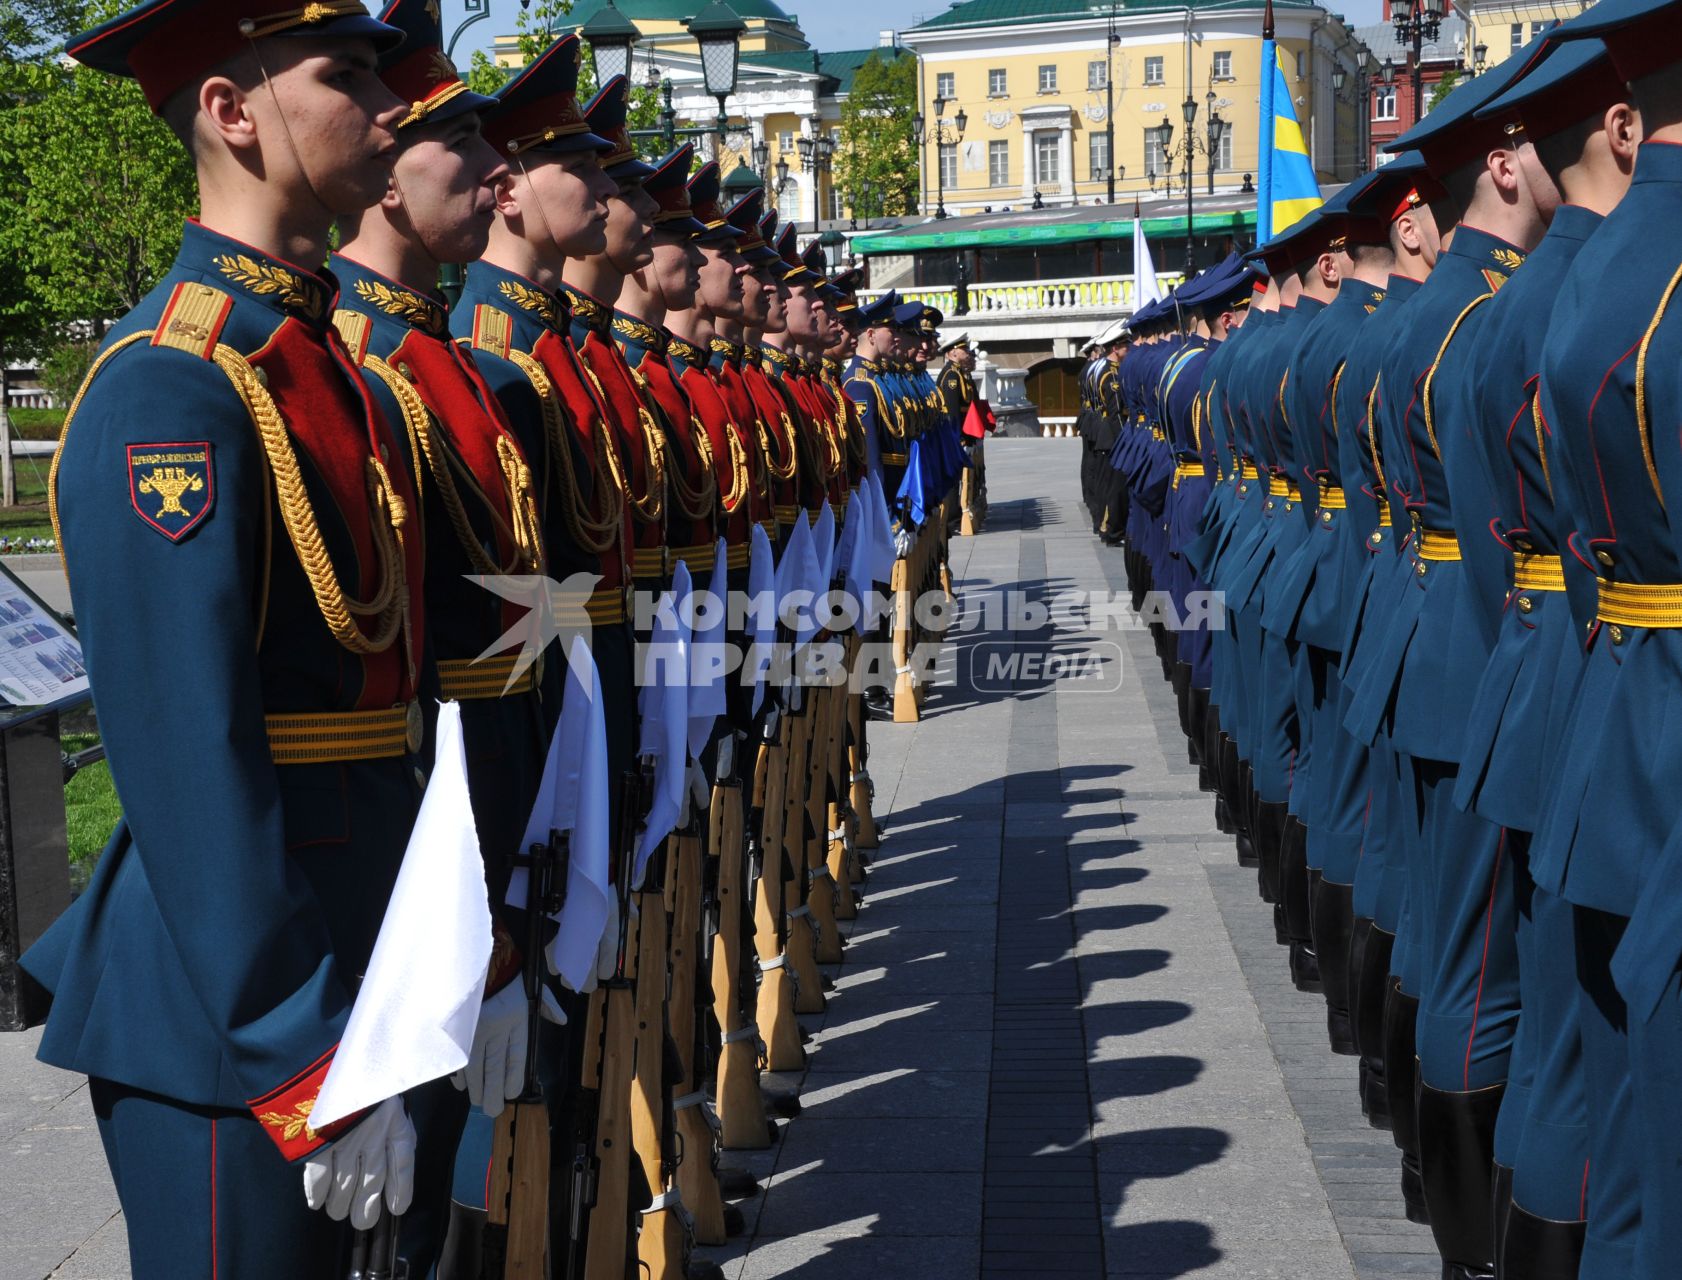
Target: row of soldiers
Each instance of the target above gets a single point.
(302, 507)
(1418, 445)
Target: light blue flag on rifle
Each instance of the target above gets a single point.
(707, 647)
(762, 585)
(1288, 190)
(663, 712)
(572, 797)
(911, 486)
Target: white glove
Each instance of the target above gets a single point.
(496, 1065)
(376, 1157)
(902, 543)
(607, 950)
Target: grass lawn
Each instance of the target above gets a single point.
(90, 802)
(28, 519)
(37, 424)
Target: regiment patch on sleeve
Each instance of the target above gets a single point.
(172, 486)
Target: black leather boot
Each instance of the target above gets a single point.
(1269, 834)
(1369, 984)
(1401, 1073)
(463, 1255)
(1457, 1163)
(1503, 1210)
(1179, 680)
(1541, 1248)
(1333, 921)
(1295, 895)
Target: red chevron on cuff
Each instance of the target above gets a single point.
(284, 1112)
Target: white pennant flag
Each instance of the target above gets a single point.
(418, 1006)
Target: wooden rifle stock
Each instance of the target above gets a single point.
(741, 1110)
(697, 1179)
(517, 1203)
(800, 944)
(776, 983)
(820, 817)
(662, 1241)
(609, 1056)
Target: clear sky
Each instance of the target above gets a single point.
(828, 25)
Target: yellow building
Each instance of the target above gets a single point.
(1036, 80)
(663, 24)
(1504, 27)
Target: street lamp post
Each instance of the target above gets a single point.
(611, 36)
(815, 154)
(938, 137)
(1217, 126)
(1188, 109)
(718, 31)
(1112, 40)
(1416, 21)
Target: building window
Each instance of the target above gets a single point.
(944, 85)
(996, 83)
(998, 164)
(1222, 69)
(1384, 102)
(1223, 153)
(788, 203)
(1536, 29)
(1098, 152)
(1047, 152)
(785, 141)
(1515, 36)
(833, 203)
(949, 164)
(1048, 78)
(1097, 75)
(1153, 70)
(1156, 161)
(1302, 64)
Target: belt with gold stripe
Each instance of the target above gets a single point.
(1332, 498)
(738, 556)
(329, 737)
(1278, 487)
(606, 605)
(1247, 470)
(649, 562)
(786, 513)
(1187, 471)
(1436, 544)
(468, 678)
(1383, 513)
(1538, 573)
(895, 459)
(770, 527)
(699, 556)
(1640, 604)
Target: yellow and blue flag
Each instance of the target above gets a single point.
(1288, 190)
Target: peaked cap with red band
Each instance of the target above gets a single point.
(745, 216)
(704, 187)
(788, 250)
(167, 44)
(607, 114)
(420, 72)
(538, 109)
(669, 185)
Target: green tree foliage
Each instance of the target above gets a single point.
(483, 75)
(29, 28)
(97, 217)
(1442, 89)
(876, 167)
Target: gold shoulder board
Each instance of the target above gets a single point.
(192, 319)
(354, 328)
(491, 330)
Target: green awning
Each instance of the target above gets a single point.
(954, 235)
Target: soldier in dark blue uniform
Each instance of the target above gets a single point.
(1422, 678)
(1541, 1147)
(476, 494)
(1400, 198)
(245, 559)
(1601, 843)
